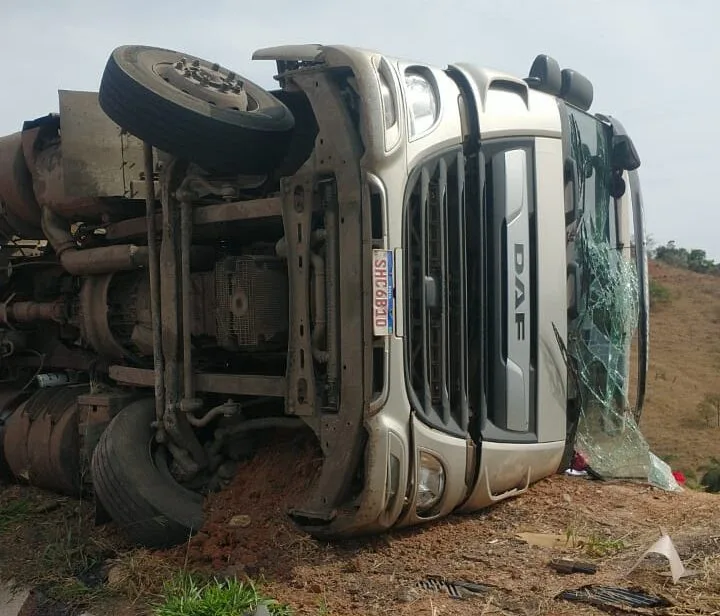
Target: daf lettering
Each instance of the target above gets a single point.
(519, 291)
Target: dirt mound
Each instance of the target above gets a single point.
(247, 524)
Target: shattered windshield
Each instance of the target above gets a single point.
(604, 311)
(590, 152)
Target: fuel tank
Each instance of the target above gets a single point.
(77, 163)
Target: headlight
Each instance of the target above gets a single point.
(431, 482)
(422, 103)
(388, 103)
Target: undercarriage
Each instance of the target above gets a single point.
(156, 315)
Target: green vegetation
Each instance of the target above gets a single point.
(65, 561)
(71, 566)
(711, 479)
(13, 513)
(659, 293)
(600, 547)
(709, 409)
(694, 259)
(190, 595)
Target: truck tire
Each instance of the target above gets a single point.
(151, 508)
(195, 110)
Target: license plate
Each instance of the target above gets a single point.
(383, 286)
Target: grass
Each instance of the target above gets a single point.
(138, 574)
(602, 547)
(69, 563)
(13, 513)
(70, 568)
(59, 556)
(593, 545)
(659, 293)
(192, 595)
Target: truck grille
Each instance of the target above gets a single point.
(436, 294)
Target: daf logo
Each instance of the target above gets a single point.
(519, 262)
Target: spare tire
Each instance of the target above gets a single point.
(152, 509)
(195, 110)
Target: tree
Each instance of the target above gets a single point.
(711, 479)
(695, 259)
(709, 408)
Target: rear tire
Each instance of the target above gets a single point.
(151, 508)
(195, 110)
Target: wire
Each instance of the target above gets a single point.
(24, 263)
(38, 371)
(13, 241)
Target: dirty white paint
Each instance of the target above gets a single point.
(12, 600)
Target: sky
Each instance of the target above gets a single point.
(654, 64)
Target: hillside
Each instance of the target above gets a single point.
(684, 366)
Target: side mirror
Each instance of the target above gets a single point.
(576, 89)
(545, 75)
(623, 156)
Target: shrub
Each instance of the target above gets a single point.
(659, 293)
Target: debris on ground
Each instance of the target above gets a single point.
(566, 565)
(613, 597)
(455, 589)
(665, 547)
(240, 521)
(610, 524)
(549, 540)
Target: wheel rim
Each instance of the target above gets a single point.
(210, 83)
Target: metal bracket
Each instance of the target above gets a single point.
(297, 208)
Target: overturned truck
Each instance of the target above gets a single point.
(380, 252)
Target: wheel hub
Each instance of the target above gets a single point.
(211, 83)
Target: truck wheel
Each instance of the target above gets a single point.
(195, 110)
(152, 509)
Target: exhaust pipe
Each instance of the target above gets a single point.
(104, 260)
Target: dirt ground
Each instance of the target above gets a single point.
(53, 542)
(609, 524)
(684, 366)
(381, 575)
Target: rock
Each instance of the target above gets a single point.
(408, 595)
(240, 521)
(116, 577)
